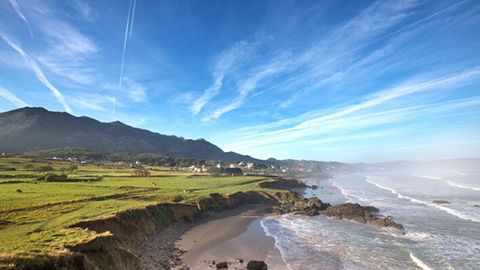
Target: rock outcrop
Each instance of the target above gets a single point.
(219, 202)
(362, 214)
(440, 202)
(282, 183)
(307, 207)
(257, 265)
(388, 222)
(222, 265)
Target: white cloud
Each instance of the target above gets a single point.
(70, 52)
(337, 56)
(38, 72)
(84, 9)
(224, 64)
(67, 40)
(12, 98)
(75, 70)
(346, 70)
(21, 15)
(352, 116)
(248, 85)
(95, 102)
(317, 66)
(134, 90)
(183, 98)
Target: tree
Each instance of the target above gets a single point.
(233, 171)
(215, 170)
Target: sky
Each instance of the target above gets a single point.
(353, 81)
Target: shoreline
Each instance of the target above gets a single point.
(234, 236)
(235, 239)
(177, 245)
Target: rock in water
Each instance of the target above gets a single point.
(387, 222)
(257, 265)
(307, 207)
(222, 265)
(440, 202)
(352, 211)
(362, 214)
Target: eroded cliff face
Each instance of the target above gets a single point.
(123, 235)
(144, 238)
(124, 241)
(121, 239)
(74, 261)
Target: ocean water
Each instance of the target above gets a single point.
(445, 236)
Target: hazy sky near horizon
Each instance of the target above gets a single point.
(325, 80)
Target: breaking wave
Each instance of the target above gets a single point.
(441, 207)
(429, 177)
(454, 184)
(419, 262)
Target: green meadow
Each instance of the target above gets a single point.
(36, 215)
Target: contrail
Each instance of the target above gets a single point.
(133, 17)
(20, 14)
(12, 98)
(38, 72)
(128, 33)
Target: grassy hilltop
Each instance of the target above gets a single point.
(36, 215)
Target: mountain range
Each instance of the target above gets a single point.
(33, 129)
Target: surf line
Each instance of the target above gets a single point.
(453, 184)
(443, 208)
(419, 262)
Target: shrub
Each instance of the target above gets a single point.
(51, 177)
(215, 170)
(28, 167)
(233, 171)
(72, 168)
(141, 172)
(226, 171)
(44, 168)
(177, 199)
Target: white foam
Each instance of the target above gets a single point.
(276, 240)
(419, 262)
(429, 177)
(393, 191)
(347, 194)
(301, 230)
(454, 184)
(418, 236)
(441, 207)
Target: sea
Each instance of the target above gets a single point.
(438, 236)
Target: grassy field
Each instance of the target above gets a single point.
(35, 215)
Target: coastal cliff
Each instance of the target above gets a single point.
(145, 238)
(125, 240)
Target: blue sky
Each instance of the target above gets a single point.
(326, 80)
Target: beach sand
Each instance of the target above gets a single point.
(230, 239)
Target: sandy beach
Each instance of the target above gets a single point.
(230, 239)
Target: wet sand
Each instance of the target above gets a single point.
(230, 239)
